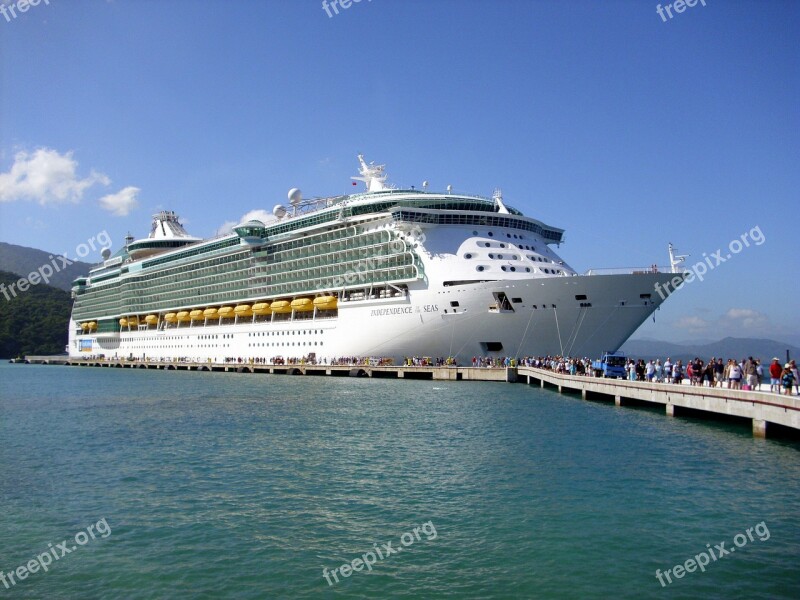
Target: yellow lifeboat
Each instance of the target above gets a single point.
(133, 321)
(243, 310)
(123, 322)
(210, 313)
(226, 312)
(151, 319)
(262, 308)
(302, 304)
(196, 315)
(92, 325)
(182, 316)
(281, 306)
(170, 317)
(326, 302)
(84, 326)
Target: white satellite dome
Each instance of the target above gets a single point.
(295, 196)
(279, 211)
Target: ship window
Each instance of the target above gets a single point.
(492, 346)
(491, 234)
(502, 245)
(516, 300)
(468, 255)
(580, 296)
(480, 268)
(454, 303)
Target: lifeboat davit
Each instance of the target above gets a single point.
(302, 304)
(133, 321)
(326, 302)
(243, 310)
(281, 306)
(262, 308)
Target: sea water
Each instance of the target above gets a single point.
(217, 485)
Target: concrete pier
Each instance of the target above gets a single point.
(760, 407)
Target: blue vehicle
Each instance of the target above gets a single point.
(612, 364)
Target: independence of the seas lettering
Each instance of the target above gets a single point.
(403, 310)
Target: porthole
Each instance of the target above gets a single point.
(480, 268)
(490, 234)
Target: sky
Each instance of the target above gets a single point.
(628, 129)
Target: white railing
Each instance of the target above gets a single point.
(630, 271)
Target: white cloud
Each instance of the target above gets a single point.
(121, 203)
(746, 318)
(691, 323)
(258, 214)
(45, 176)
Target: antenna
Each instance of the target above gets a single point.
(498, 200)
(676, 259)
(425, 185)
(449, 189)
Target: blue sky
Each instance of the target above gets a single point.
(597, 117)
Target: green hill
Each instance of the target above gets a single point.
(33, 322)
(23, 260)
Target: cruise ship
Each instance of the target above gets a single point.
(383, 272)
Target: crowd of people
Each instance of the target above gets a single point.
(745, 374)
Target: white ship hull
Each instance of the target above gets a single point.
(423, 324)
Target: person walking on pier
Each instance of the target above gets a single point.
(750, 373)
(759, 372)
(668, 370)
(735, 376)
(793, 368)
(775, 375)
(787, 379)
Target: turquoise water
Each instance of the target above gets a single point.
(246, 486)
